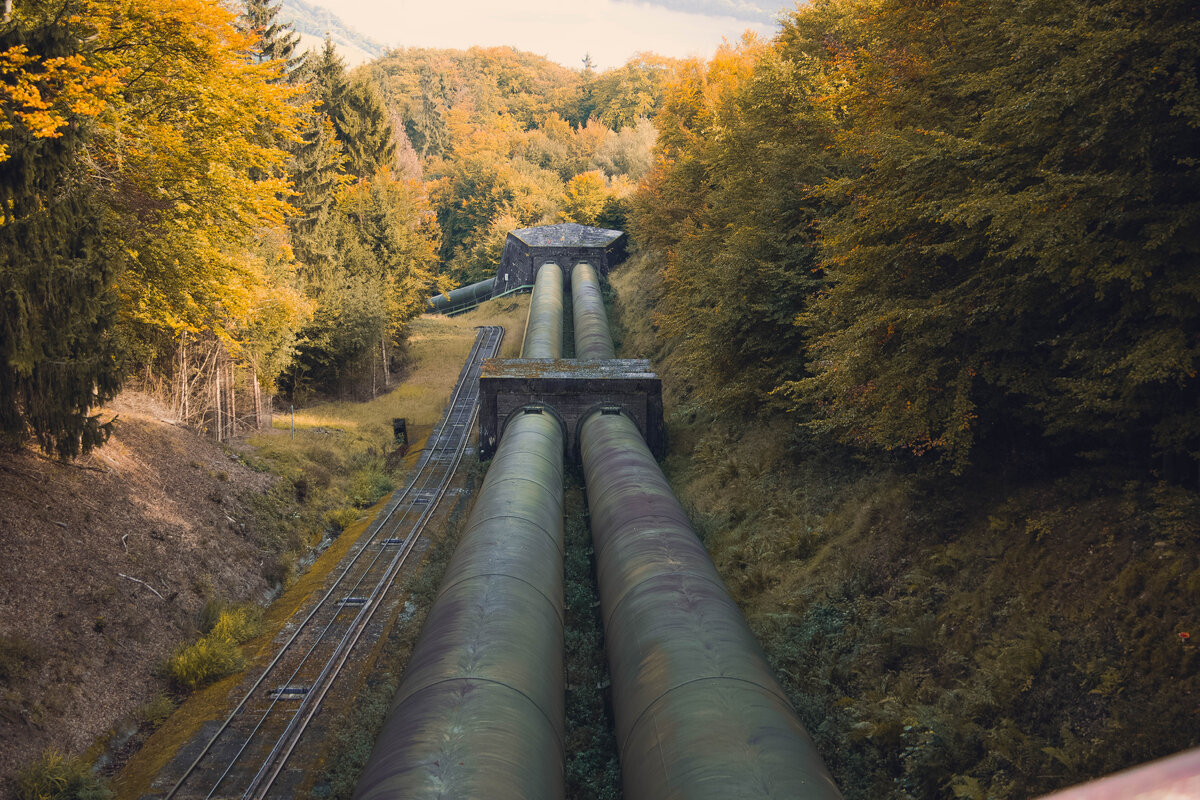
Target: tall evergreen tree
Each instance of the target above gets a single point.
(428, 130)
(275, 41)
(364, 129)
(57, 298)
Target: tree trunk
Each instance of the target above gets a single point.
(387, 376)
(183, 378)
(257, 403)
(217, 395)
(232, 400)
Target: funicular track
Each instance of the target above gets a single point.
(247, 752)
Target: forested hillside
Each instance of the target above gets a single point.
(922, 281)
(923, 284)
(943, 230)
(189, 204)
(507, 140)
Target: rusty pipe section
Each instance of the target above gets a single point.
(592, 336)
(479, 713)
(544, 325)
(698, 712)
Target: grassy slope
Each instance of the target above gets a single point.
(340, 456)
(998, 635)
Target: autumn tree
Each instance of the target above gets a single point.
(730, 209)
(180, 171)
(1018, 252)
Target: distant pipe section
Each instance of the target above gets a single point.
(473, 294)
(480, 713)
(544, 326)
(699, 714)
(593, 339)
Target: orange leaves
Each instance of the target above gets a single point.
(43, 93)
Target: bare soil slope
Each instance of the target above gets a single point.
(80, 636)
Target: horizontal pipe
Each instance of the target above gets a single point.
(475, 292)
(698, 711)
(479, 713)
(593, 339)
(544, 325)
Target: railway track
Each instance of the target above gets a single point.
(245, 754)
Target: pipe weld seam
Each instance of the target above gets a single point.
(630, 590)
(652, 703)
(558, 543)
(557, 610)
(493, 681)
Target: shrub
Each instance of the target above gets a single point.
(368, 485)
(207, 661)
(237, 624)
(55, 777)
(342, 518)
(279, 570)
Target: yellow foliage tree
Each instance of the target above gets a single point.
(584, 197)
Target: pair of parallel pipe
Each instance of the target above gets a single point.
(479, 713)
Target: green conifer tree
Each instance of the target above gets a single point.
(57, 303)
(276, 41)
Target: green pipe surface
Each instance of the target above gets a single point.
(472, 293)
(698, 712)
(480, 711)
(544, 326)
(593, 339)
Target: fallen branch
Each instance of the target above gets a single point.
(123, 538)
(143, 583)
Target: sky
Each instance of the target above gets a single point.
(610, 31)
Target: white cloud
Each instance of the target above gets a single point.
(564, 30)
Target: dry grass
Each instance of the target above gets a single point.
(334, 442)
(437, 347)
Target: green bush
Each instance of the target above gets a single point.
(207, 661)
(55, 777)
(368, 485)
(237, 624)
(342, 518)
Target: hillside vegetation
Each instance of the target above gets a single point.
(507, 139)
(922, 284)
(921, 279)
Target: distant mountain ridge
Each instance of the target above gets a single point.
(761, 11)
(311, 20)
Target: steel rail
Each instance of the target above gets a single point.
(463, 398)
(287, 742)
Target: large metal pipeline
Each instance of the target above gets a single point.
(544, 326)
(698, 711)
(479, 713)
(592, 336)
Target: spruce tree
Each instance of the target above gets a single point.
(57, 304)
(364, 129)
(275, 41)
